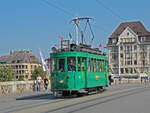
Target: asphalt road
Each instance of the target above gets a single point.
(131, 98)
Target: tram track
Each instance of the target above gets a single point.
(31, 104)
(112, 96)
(68, 103)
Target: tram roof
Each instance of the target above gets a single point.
(76, 53)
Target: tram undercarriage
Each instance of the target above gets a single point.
(79, 92)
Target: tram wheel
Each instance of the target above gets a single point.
(65, 93)
(79, 94)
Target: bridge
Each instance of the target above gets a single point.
(121, 98)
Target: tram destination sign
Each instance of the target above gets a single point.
(65, 45)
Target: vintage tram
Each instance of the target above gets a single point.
(78, 69)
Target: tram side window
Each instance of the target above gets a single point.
(83, 64)
(71, 64)
(105, 65)
(102, 65)
(61, 67)
(79, 64)
(98, 66)
(89, 67)
(53, 65)
(92, 66)
(95, 65)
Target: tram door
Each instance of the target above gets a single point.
(81, 72)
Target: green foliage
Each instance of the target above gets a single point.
(6, 73)
(21, 78)
(38, 71)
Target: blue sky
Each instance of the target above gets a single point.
(33, 24)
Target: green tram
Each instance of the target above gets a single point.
(78, 71)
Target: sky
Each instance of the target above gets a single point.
(34, 24)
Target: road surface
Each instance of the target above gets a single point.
(124, 98)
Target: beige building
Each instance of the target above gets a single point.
(129, 49)
(22, 62)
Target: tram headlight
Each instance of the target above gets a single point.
(61, 81)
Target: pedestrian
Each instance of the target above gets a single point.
(141, 79)
(34, 85)
(145, 80)
(46, 83)
(39, 80)
(110, 80)
(119, 80)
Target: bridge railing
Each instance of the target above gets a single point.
(18, 87)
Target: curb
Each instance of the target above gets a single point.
(32, 96)
(7, 100)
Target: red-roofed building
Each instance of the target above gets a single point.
(22, 62)
(129, 49)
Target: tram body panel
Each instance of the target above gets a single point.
(82, 78)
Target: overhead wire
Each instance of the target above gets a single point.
(66, 12)
(110, 10)
(58, 8)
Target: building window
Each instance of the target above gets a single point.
(135, 62)
(114, 41)
(16, 77)
(143, 39)
(16, 66)
(126, 70)
(121, 55)
(122, 71)
(129, 62)
(121, 48)
(135, 47)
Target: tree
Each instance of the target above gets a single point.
(21, 78)
(6, 73)
(38, 71)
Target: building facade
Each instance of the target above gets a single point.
(22, 62)
(129, 50)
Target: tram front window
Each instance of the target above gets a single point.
(71, 64)
(61, 67)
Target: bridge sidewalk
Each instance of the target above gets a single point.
(14, 97)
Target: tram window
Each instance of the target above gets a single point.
(83, 64)
(71, 64)
(53, 65)
(79, 64)
(98, 65)
(92, 66)
(89, 63)
(102, 66)
(61, 67)
(95, 65)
